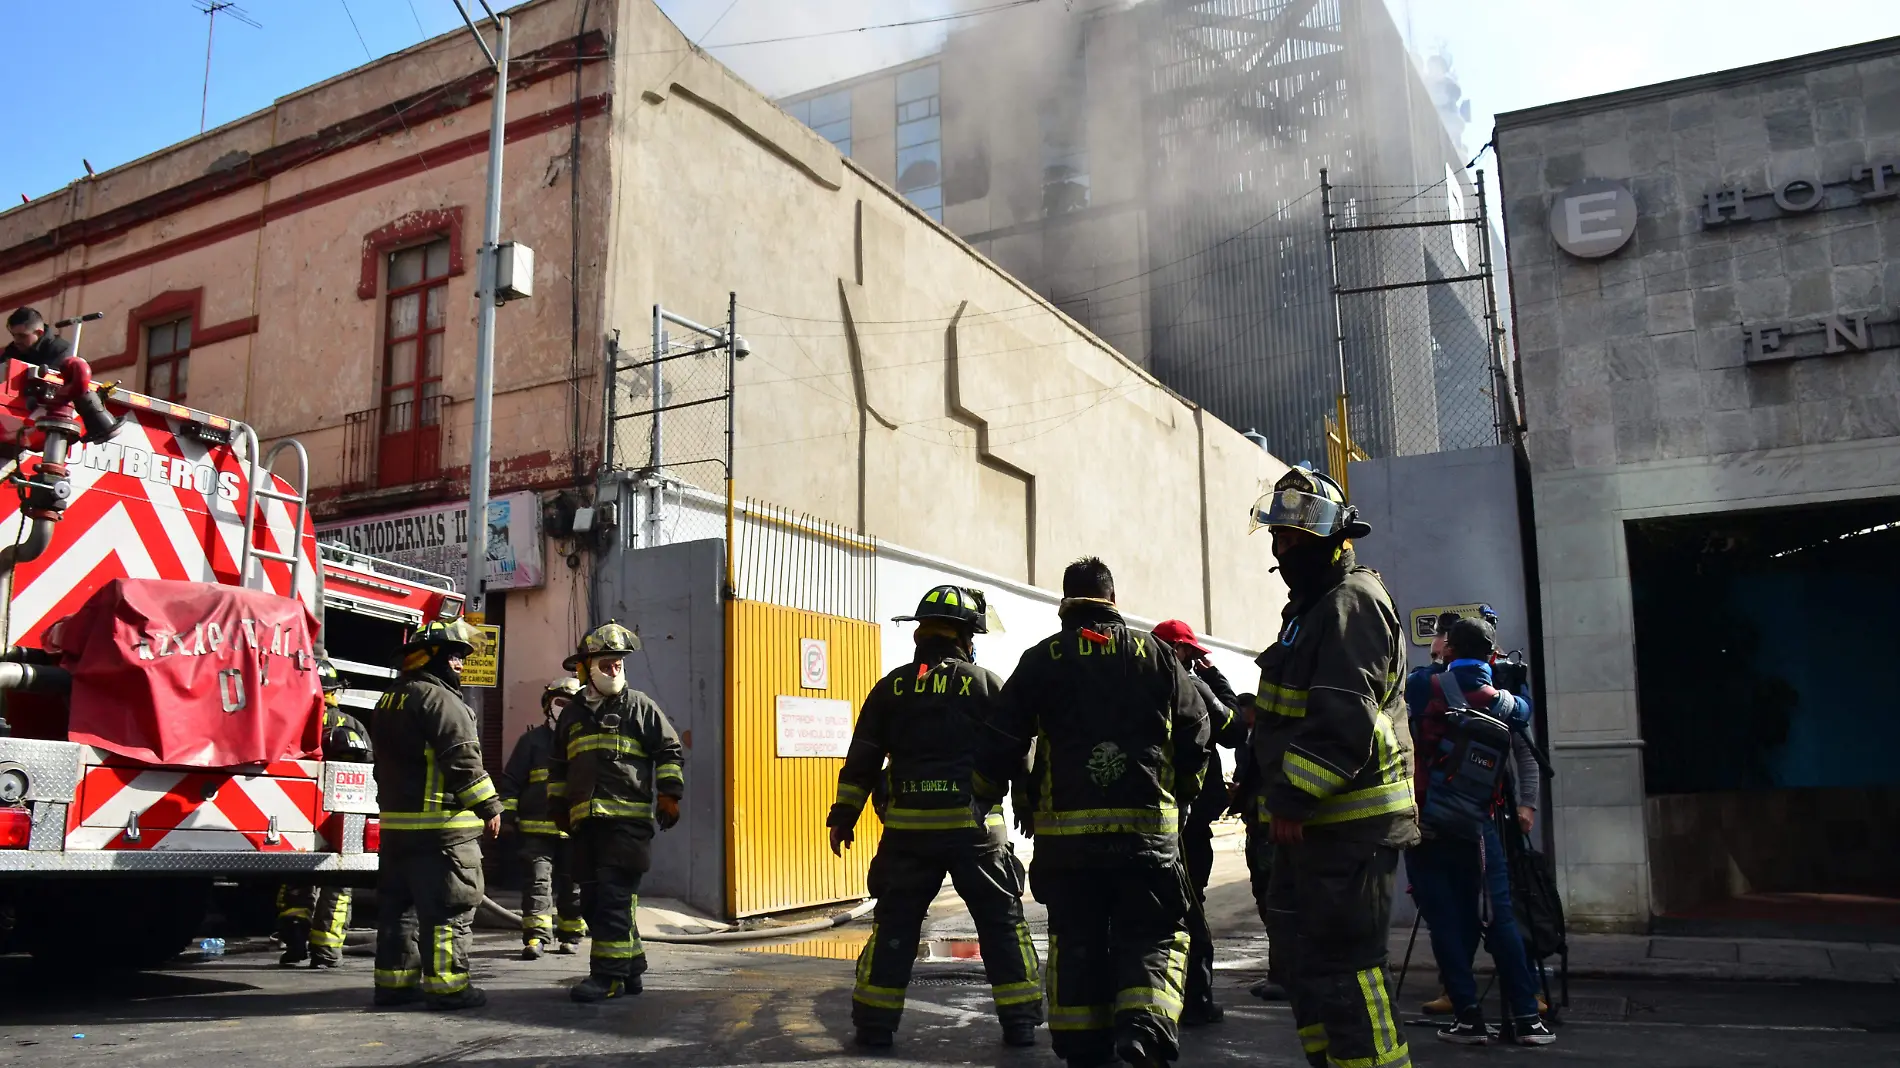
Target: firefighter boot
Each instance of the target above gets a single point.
(604, 987)
(469, 997)
(532, 950)
(875, 1037)
(1019, 1033)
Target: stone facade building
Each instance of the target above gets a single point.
(1706, 284)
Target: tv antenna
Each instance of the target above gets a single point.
(211, 9)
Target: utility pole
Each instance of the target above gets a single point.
(211, 8)
(476, 581)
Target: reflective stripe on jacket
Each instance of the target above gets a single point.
(429, 777)
(612, 761)
(1330, 737)
(923, 717)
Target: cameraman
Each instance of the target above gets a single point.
(1459, 874)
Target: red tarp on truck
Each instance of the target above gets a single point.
(193, 673)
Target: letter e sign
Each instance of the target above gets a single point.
(814, 664)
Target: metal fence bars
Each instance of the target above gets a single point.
(1419, 341)
(788, 558)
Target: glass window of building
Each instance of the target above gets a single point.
(920, 140)
(1065, 153)
(829, 116)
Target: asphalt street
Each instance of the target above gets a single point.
(707, 1007)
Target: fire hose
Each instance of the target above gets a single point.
(495, 909)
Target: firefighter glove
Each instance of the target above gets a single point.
(668, 809)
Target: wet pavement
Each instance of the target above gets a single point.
(728, 1006)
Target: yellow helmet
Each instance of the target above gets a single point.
(566, 686)
(609, 639)
(458, 637)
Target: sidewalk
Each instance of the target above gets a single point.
(1242, 945)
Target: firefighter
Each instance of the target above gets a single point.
(1229, 728)
(924, 716)
(550, 886)
(1333, 758)
(1121, 737)
(310, 921)
(614, 772)
(436, 802)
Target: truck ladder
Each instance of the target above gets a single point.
(261, 489)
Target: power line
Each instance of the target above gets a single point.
(876, 26)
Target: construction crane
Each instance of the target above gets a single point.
(211, 9)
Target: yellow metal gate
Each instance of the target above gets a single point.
(778, 857)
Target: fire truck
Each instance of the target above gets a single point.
(164, 598)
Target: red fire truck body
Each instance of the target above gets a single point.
(120, 805)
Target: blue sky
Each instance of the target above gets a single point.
(111, 80)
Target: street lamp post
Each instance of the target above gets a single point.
(476, 582)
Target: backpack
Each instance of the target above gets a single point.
(1464, 776)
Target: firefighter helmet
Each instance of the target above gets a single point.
(566, 686)
(609, 639)
(458, 637)
(327, 674)
(958, 604)
(1306, 500)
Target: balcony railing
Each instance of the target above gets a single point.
(393, 445)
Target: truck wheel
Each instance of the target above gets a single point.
(128, 924)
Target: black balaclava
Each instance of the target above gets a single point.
(1314, 565)
(438, 666)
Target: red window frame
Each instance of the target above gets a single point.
(410, 409)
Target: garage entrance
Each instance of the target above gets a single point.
(1766, 688)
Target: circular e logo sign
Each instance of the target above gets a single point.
(1593, 218)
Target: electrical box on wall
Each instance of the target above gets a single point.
(514, 272)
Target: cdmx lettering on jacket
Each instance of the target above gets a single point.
(175, 471)
(930, 682)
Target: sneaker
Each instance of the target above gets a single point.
(469, 997)
(1268, 990)
(1531, 1031)
(876, 1037)
(393, 997)
(1019, 1034)
(1201, 1012)
(1468, 1030)
(602, 988)
(532, 950)
(1438, 1006)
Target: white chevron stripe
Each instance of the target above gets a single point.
(113, 534)
(271, 800)
(172, 517)
(108, 819)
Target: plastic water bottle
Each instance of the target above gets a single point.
(212, 947)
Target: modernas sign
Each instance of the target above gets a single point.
(177, 472)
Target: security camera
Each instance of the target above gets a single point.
(741, 348)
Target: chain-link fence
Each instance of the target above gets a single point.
(1422, 352)
(670, 407)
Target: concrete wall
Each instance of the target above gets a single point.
(1445, 531)
(899, 383)
(1638, 401)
